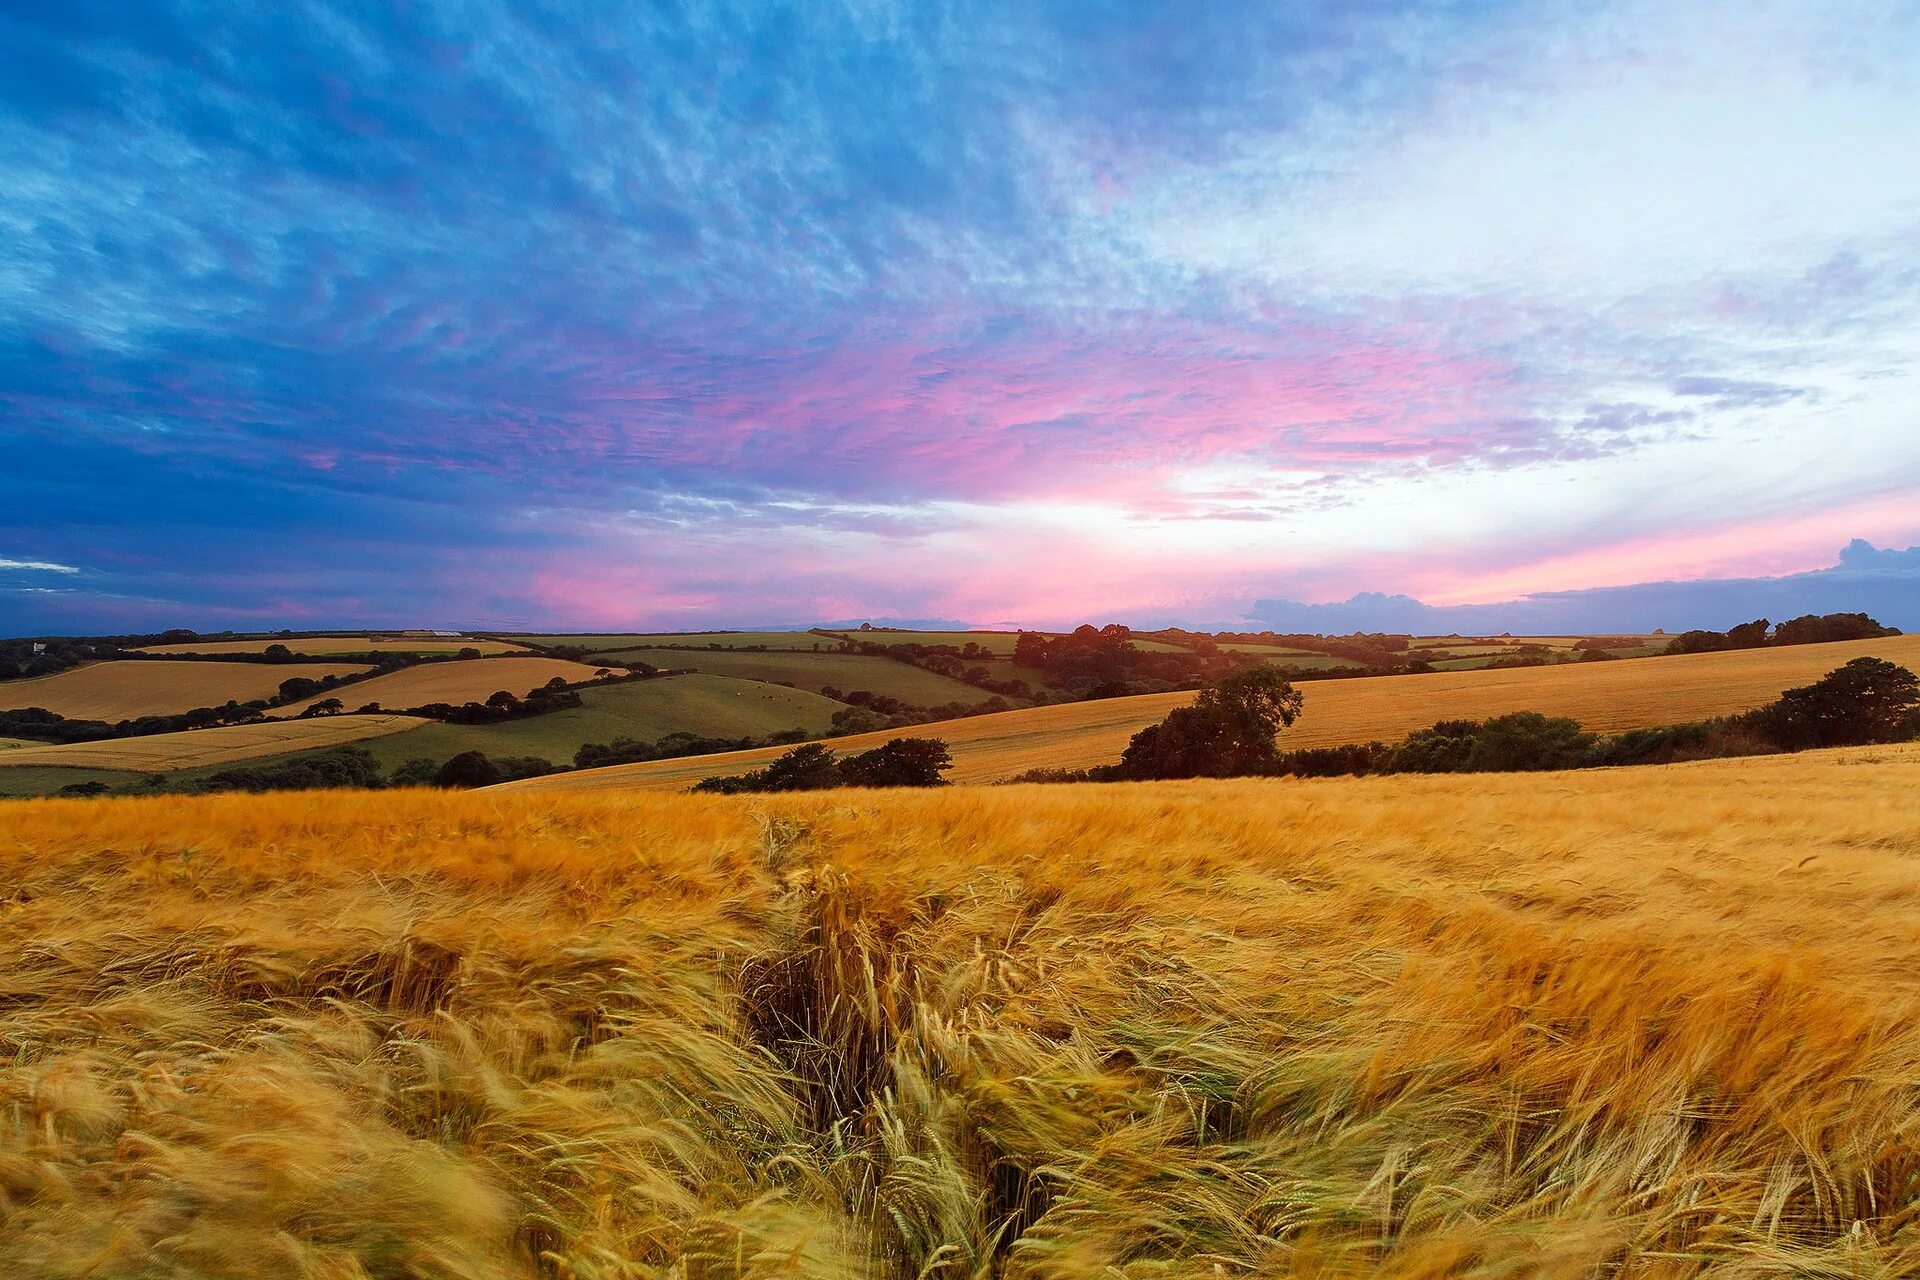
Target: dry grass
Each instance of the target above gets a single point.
(338, 644)
(116, 691)
(472, 680)
(1606, 696)
(199, 748)
(1658, 1023)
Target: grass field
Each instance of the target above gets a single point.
(1652, 1023)
(198, 748)
(816, 671)
(116, 691)
(323, 645)
(711, 706)
(472, 680)
(47, 780)
(1606, 696)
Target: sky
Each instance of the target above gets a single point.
(683, 315)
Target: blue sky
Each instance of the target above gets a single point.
(687, 315)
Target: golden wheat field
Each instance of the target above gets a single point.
(324, 645)
(116, 691)
(1605, 696)
(470, 680)
(1659, 1023)
(200, 748)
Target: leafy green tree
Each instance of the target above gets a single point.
(468, 769)
(1867, 700)
(903, 762)
(1228, 732)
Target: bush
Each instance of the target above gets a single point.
(902, 762)
(338, 767)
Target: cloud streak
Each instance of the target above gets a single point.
(728, 312)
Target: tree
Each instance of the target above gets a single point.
(903, 762)
(1748, 635)
(468, 769)
(276, 651)
(297, 688)
(1868, 700)
(1827, 628)
(417, 772)
(807, 768)
(1697, 642)
(324, 707)
(1228, 732)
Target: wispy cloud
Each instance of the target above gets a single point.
(807, 309)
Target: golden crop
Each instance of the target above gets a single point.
(200, 748)
(116, 691)
(1647, 1022)
(1604, 696)
(472, 680)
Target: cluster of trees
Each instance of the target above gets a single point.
(1103, 662)
(901, 762)
(42, 725)
(1379, 650)
(673, 746)
(1761, 633)
(1230, 731)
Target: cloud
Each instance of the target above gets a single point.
(36, 566)
(1883, 583)
(818, 309)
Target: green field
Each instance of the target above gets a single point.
(7, 744)
(46, 780)
(804, 641)
(815, 671)
(708, 705)
(995, 642)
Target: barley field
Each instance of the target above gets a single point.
(116, 691)
(471, 680)
(1604, 696)
(202, 748)
(1659, 1023)
(323, 645)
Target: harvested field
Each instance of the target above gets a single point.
(198, 748)
(116, 691)
(468, 680)
(1658, 1022)
(1605, 696)
(323, 645)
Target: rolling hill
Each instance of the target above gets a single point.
(199, 748)
(1605, 696)
(846, 672)
(456, 682)
(116, 691)
(324, 645)
(709, 706)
